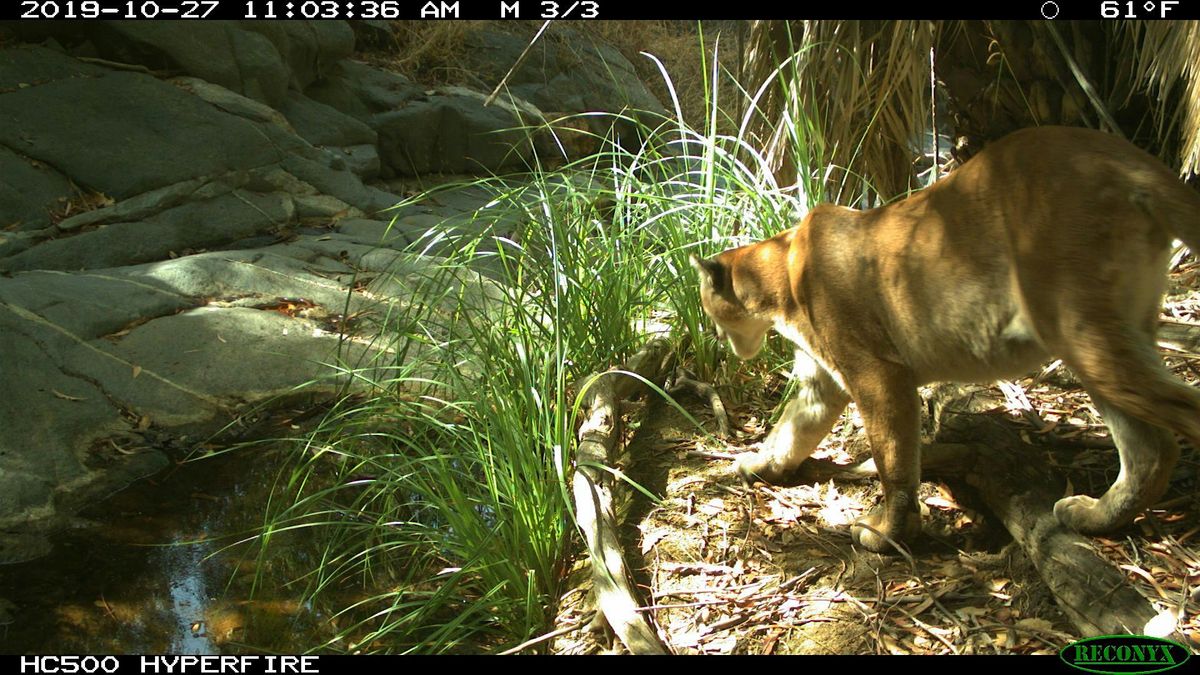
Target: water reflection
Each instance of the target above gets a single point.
(188, 600)
(146, 572)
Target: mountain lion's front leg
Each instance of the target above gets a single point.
(887, 400)
(804, 423)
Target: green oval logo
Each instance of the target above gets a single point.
(1125, 654)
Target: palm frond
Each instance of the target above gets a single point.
(1166, 65)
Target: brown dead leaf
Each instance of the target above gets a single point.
(712, 507)
(1051, 425)
(724, 644)
(1162, 625)
(80, 203)
(781, 513)
(971, 612)
(1002, 637)
(1005, 614)
(1035, 624)
(893, 645)
(953, 569)
(940, 503)
(685, 639)
(291, 307)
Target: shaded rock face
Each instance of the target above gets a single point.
(183, 217)
(300, 69)
(321, 124)
(258, 59)
(125, 133)
(447, 129)
(451, 134)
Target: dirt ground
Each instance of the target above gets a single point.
(726, 569)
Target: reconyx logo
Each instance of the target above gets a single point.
(1124, 654)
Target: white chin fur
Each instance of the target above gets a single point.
(750, 352)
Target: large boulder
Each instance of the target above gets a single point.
(198, 225)
(321, 124)
(566, 71)
(451, 134)
(29, 192)
(361, 91)
(308, 48)
(24, 66)
(423, 130)
(30, 189)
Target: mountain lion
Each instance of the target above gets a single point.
(1052, 242)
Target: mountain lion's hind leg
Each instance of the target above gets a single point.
(1141, 402)
(1148, 453)
(804, 423)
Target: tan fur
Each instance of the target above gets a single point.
(1052, 242)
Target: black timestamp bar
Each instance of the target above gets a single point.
(427, 9)
(1035, 10)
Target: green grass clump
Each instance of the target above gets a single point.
(436, 492)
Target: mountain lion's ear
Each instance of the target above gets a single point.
(710, 270)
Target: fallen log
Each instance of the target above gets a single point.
(1020, 489)
(593, 485)
(1090, 591)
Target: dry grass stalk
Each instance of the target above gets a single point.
(863, 85)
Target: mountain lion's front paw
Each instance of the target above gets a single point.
(903, 526)
(757, 465)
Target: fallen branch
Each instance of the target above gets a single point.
(593, 485)
(1184, 337)
(578, 625)
(118, 65)
(685, 380)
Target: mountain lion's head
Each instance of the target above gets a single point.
(725, 300)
